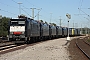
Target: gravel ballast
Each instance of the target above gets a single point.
(48, 50)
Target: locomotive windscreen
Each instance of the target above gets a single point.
(17, 22)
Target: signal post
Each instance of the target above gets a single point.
(69, 17)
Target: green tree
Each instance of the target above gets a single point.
(46, 22)
(4, 26)
(41, 20)
(53, 24)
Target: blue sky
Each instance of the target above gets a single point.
(79, 17)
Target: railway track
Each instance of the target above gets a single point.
(6, 47)
(84, 47)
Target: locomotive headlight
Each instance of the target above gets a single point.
(23, 32)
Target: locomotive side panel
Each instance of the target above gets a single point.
(75, 32)
(65, 31)
(53, 29)
(45, 30)
(28, 28)
(78, 31)
(60, 33)
(35, 28)
(70, 31)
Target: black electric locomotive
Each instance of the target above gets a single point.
(27, 30)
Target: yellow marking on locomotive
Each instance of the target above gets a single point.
(72, 31)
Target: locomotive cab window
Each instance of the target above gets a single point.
(21, 23)
(17, 23)
(14, 23)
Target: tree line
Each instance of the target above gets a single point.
(4, 26)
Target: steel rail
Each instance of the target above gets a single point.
(82, 50)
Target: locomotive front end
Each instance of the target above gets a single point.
(16, 30)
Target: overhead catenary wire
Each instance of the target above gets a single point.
(7, 12)
(13, 7)
(23, 9)
(81, 3)
(84, 12)
(35, 6)
(26, 12)
(80, 9)
(7, 5)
